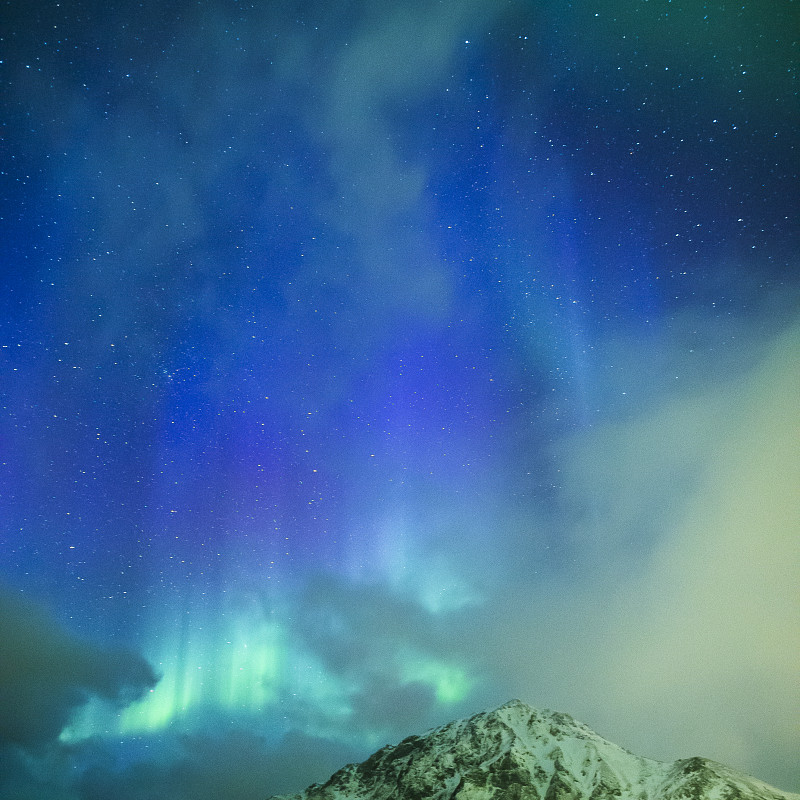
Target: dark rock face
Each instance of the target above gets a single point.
(519, 753)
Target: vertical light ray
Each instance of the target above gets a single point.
(251, 668)
(216, 661)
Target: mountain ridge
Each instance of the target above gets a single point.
(516, 752)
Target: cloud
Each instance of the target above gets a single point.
(389, 63)
(404, 707)
(46, 674)
(712, 628)
(403, 663)
(232, 764)
(352, 626)
(676, 626)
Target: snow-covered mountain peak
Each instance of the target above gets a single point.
(516, 752)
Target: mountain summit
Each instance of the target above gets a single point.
(519, 753)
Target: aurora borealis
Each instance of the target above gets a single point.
(367, 365)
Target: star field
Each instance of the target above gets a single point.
(364, 367)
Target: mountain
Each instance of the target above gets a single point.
(518, 753)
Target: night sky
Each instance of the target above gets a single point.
(365, 365)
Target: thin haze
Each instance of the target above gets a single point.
(367, 365)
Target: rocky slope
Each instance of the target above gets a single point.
(519, 753)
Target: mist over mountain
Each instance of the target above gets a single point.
(519, 753)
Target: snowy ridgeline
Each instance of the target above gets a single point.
(519, 753)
